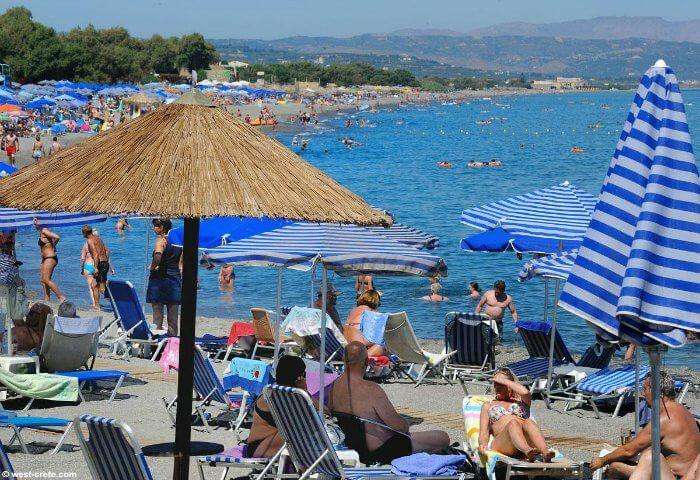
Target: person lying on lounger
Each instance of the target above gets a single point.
(680, 441)
(507, 418)
(352, 394)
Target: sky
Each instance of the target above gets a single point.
(268, 19)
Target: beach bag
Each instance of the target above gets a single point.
(17, 303)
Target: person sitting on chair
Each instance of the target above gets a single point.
(680, 441)
(368, 301)
(387, 435)
(507, 418)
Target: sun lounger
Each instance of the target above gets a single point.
(69, 343)
(560, 467)
(42, 386)
(264, 333)
(306, 438)
(233, 458)
(17, 423)
(111, 450)
(90, 377)
(472, 337)
(5, 465)
(210, 390)
(402, 342)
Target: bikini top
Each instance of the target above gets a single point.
(496, 412)
(267, 416)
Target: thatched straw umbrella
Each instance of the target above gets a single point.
(142, 98)
(191, 160)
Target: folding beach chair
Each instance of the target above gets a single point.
(334, 349)
(560, 467)
(5, 465)
(472, 337)
(10, 419)
(236, 460)
(401, 341)
(264, 333)
(111, 450)
(210, 389)
(69, 348)
(306, 439)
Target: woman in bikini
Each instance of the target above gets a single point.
(264, 439)
(368, 301)
(88, 270)
(507, 419)
(49, 260)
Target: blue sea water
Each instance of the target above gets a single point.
(395, 169)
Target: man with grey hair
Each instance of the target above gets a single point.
(680, 441)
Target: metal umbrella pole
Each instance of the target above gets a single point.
(313, 276)
(552, 337)
(636, 390)
(546, 299)
(278, 323)
(322, 353)
(655, 353)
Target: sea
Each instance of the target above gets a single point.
(393, 166)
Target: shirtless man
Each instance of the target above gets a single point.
(496, 301)
(100, 256)
(680, 441)
(226, 277)
(354, 395)
(37, 149)
(11, 146)
(55, 146)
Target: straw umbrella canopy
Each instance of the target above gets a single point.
(188, 159)
(142, 98)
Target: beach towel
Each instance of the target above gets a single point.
(305, 321)
(238, 330)
(44, 386)
(471, 411)
(426, 464)
(249, 375)
(372, 326)
(169, 358)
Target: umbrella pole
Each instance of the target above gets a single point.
(655, 353)
(185, 372)
(313, 274)
(636, 391)
(546, 299)
(552, 336)
(322, 353)
(278, 310)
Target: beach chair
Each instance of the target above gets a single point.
(69, 348)
(560, 467)
(334, 349)
(306, 438)
(264, 333)
(10, 419)
(237, 333)
(210, 389)
(135, 331)
(234, 459)
(5, 465)
(110, 449)
(472, 337)
(402, 342)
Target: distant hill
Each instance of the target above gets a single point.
(426, 32)
(589, 58)
(600, 28)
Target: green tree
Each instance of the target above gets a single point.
(196, 53)
(163, 53)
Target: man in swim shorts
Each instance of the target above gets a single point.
(100, 257)
(496, 301)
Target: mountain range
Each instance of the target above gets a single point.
(619, 48)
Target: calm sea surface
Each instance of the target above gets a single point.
(395, 169)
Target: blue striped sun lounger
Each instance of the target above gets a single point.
(5, 464)
(111, 450)
(91, 377)
(473, 337)
(306, 439)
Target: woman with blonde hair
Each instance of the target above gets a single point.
(369, 300)
(507, 418)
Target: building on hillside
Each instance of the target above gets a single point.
(544, 85)
(561, 83)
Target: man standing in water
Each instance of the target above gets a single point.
(496, 301)
(100, 256)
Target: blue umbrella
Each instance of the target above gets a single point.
(6, 169)
(637, 273)
(546, 221)
(557, 266)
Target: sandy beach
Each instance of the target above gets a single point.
(576, 433)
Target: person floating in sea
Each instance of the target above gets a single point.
(496, 301)
(122, 225)
(304, 144)
(474, 291)
(435, 294)
(680, 442)
(49, 260)
(444, 164)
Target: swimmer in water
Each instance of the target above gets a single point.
(435, 294)
(304, 144)
(474, 291)
(226, 277)
(496, 301)
(122, 225)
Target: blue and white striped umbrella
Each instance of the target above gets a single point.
(12, 219)
(558, 213)
(639, 262)
(346, 249)
(557, 265)
(409, 236)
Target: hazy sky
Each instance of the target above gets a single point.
(280, 18)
